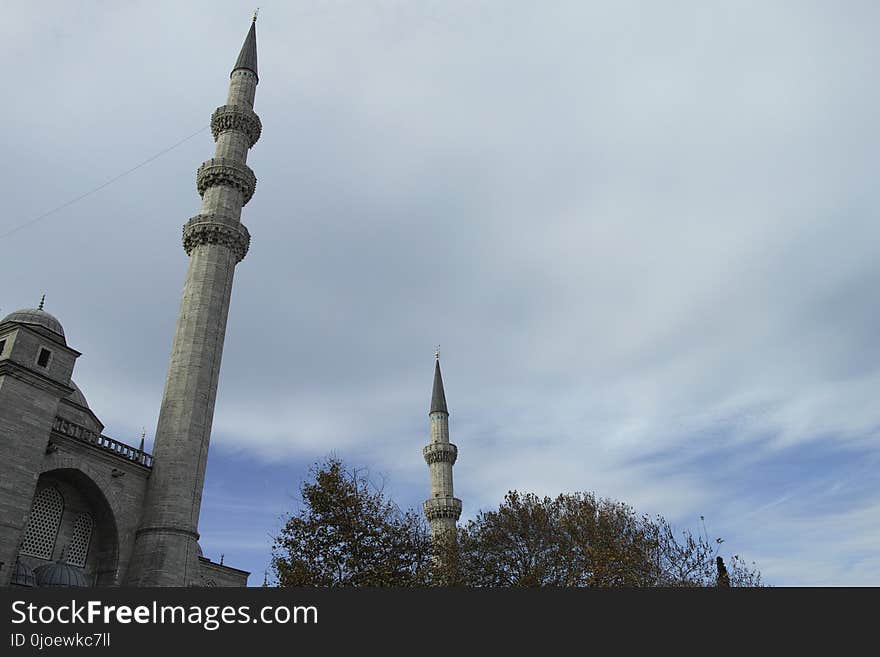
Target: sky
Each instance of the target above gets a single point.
(645, 236)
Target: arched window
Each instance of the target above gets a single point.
(78, 549)
(42, 530)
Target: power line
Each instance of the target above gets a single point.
(30, 222)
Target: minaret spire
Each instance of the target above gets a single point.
(438, 395)
(166, 548)
(442, 509)
(247, 58)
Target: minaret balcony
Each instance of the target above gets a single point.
(442, 507)
(440, 453)
(216, 229)
(236, 117)
(227, 172)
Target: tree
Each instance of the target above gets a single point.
(579, 540)
(347, 533)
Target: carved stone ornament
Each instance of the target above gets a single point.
(443, 507)
(440, 453)
(224, 171)
(236, 117)
(209, 229)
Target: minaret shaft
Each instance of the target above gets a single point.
(166, 548)
(440, 471)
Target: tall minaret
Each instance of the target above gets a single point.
(441, 509)
(166, 548)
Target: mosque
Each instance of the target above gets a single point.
(78, 508)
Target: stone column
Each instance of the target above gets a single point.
(166, 549)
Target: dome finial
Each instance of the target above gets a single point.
(42, 301)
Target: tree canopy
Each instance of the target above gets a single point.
(579, 540)
(347, 533)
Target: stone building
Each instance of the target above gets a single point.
(78, 508)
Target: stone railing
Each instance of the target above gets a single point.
(215, 229)
(442, 507)
(228, 172)
(236, 117)
(440, 453)
(104, 443)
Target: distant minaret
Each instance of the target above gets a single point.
(166, 550)
(441, 509)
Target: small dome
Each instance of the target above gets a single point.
(77, 396)
(35, 317)
(60, 574)
(22, 575)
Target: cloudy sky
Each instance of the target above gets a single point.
(645, 235)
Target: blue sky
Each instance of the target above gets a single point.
(645, 235)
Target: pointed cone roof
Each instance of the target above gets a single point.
(438, 397)
(247, 58)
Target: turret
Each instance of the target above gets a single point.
(36, 364)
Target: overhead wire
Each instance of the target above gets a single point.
(112, 180)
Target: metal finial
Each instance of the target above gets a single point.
(256, 11)
(42, 301)
(437, 353)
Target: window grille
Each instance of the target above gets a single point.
(42, 530)
(78, 549)
(43, 358)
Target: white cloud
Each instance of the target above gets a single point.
(637, 231)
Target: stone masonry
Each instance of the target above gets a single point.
(166, 549)
(29, 398)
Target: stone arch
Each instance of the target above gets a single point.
(97, 476)
(85, 496)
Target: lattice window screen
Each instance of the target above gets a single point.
(42, 530)
(79, 542)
